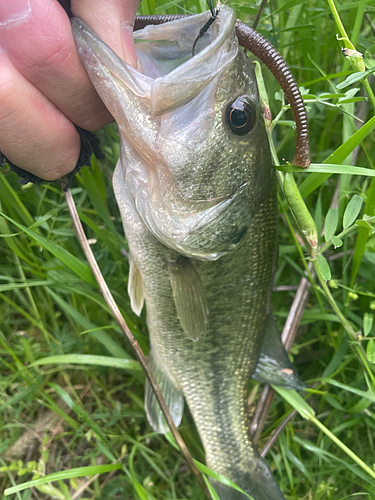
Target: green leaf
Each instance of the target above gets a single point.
(352, 210)
(89, 359)
(298, 463)
(21, 395)
(330, 223)
(80, 411)
(370, 351)
(360, 244)
(360, 406)
(66, 474)
(346, 100)
(351, 92)
(327, 168)
(327, 95)
(368, 320)
(331, 400)
(210, 488)
(13, 203)
(337, 157)
(222, 479)
(324, 267)
(75, 265)
(364, 223)
(296, 401)
(102, 336)
(337, 242)
(353, 78)
(279, 96)
(93, 182)
(363, 394)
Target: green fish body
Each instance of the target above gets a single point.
(197, 195)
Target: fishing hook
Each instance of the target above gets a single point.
(214, 12)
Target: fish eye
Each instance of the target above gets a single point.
(240, 116)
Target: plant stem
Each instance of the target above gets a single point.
(339, 443)
(348, 42)
(337, 19)
(342, 234)
(369, 92)
(363, 233)
(362, 356)
(345, 323)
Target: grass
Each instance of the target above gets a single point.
(71, 403)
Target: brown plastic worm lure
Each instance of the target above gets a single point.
(255, 43)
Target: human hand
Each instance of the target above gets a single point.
(44, 89)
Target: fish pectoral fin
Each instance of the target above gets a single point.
(189, 297)
(173, 397)
(274, 366)
(135, 287)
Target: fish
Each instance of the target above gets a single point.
(196, 191)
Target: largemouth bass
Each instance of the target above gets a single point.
(197, 195)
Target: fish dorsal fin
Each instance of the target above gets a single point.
(189, 297)
(274, 366)
(173, 397)
(135, 287)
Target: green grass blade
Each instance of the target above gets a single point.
(75, 265)
(296, 401)
(219, 477)
(12, 202)
(363, 233)
(88, 359)
(337, 157)
(80, 412)
(101, 335)
(327, 169)
(66, 474)
(93, 182)
(363, 394)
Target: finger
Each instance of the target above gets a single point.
(113, 21)
(26, 121)
(41, 46)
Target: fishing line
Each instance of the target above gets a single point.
(214, 12)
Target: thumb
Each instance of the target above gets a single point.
(113, 21)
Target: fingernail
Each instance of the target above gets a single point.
(12, 11)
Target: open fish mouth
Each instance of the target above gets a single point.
(167, 76)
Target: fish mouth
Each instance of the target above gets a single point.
(168, 76)
(169, 57)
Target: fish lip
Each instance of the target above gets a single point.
(98, 56)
